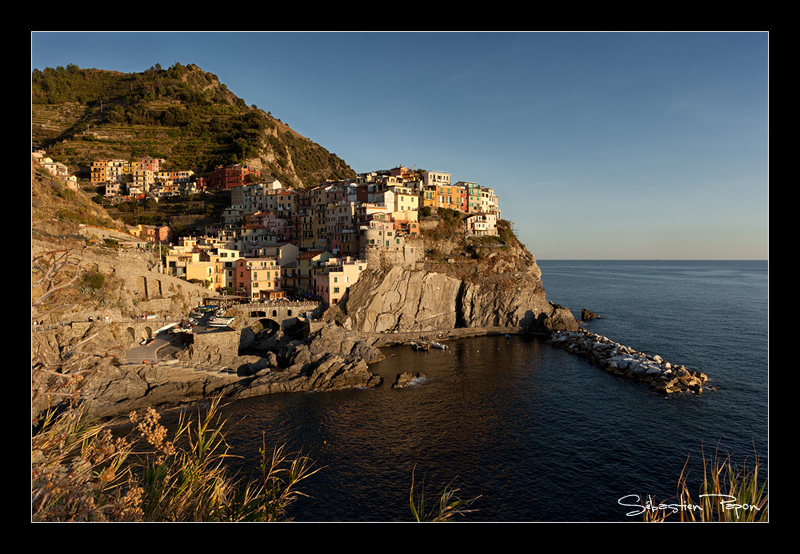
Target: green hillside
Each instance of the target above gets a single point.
(181, 114)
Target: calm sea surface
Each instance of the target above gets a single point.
(536, 433)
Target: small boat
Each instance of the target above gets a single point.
(219, 321)
(423, 346)
(183, 327)
(438, 345)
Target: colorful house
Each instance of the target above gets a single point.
(257, 278)
(332, 280)
(482, 224)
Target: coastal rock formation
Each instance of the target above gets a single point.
(407, 379)
(623, 361)
(347, 344)
(117, 390)
(586, 315)
(403, 299)
(326, 373)
(107, 385)
(461, 282)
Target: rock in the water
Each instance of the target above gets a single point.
(586, 315)
(407, 379)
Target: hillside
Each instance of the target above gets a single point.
(181, 114)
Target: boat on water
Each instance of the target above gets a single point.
(427, 345)
(422, 346)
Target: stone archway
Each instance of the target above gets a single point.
(269, 326)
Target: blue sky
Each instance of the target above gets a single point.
(600, 145)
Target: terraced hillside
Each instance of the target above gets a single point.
(181, 114)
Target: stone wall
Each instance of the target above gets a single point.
(412, 253)
(136, 286)
(216, 347)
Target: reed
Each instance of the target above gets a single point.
(446, 509)
(728, 494)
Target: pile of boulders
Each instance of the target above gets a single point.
(623, 361)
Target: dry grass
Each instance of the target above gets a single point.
(81, 472)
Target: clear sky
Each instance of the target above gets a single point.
(600, 145)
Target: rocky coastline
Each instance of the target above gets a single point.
(393, 303)
(186, 370)
(625, 362)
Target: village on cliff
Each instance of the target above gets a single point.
(275, 241)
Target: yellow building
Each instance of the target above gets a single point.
(224, 268)
(427, 196)
(201, 271)
(333, 280)
(256, 278)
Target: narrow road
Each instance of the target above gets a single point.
(147, 353)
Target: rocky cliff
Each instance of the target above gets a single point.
(403, 300)
(461, 284)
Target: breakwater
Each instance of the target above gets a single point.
(623, 361)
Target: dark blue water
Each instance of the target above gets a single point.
(536, 433)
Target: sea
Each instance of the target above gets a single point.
(530, 433)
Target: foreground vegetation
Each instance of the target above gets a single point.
(83, 472)
(728, 494)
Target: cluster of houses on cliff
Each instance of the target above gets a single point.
(275, 240)
(316, 241)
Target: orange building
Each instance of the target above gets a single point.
(99, 172)
(450, 197)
